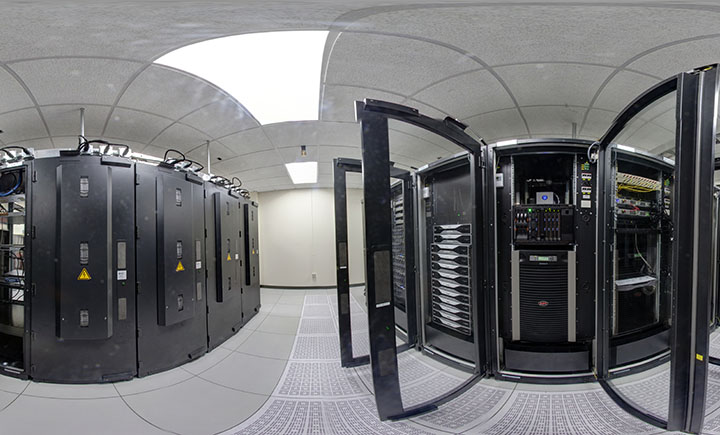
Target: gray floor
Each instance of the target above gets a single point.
(281, 374)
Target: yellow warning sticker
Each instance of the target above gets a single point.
(84, 275)
(229, 258)
(698, 357)
(179, 267)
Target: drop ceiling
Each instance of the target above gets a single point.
(508, 70)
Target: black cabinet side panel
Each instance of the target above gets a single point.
(251, 289)
(161, 347)
(224, 298)
(83, 329)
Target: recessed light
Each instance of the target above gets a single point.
(302, 172)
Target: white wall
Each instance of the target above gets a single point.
(297, 237)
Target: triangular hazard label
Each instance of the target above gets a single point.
(229, 258)
(84, 275)
(179, 267)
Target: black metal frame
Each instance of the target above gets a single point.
(373, 116)
(341, 166)
(696, 114)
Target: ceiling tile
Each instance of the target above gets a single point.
(671, 60)
(169, 92)
(20, 125)
(501, 124)
(467, 95)
(13, 95)
(247, 141)
(552, 121)
(249, 161)
(218, 153)
(622, 89)
(75, 81)
(64, 120)
(501, 33)
(597, 123)
(37, 144)
(221, 118)
(389, 62)
(338, 102)
(180, 137)
(134, 125)
(553, 84)
(326, 153)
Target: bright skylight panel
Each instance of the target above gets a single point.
(302, 172)
(275, 75)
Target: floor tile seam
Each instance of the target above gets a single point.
(246, 419)
(276, 333)
(15, 392)
(37, 396)
(140, 416)
(240, 390)
(496, 413)
(346, 398)
(158, 388)
(262, 356)
(216, 363)
(17, 396)
(607, 400)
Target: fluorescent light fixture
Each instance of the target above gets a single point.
(626, 148)
(503, 143)
(302, 172)
(275, 75)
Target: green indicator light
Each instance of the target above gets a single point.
(529, 210)
(387, 328)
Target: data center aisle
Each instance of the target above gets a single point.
(207, 396)
(281, 374)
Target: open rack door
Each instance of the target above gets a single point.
(382, 123)
(403, 223)
(655, 263)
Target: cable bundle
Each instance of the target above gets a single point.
(636, 183)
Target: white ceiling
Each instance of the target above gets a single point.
(508, 70)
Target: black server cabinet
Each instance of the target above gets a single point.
(251, 290)
(224, 248)
(83, 292)
(546, 219)
(451, 282)
(171, 311)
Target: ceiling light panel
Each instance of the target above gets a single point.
(302, 172)
(275, 75)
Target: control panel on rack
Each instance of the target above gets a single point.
(539, 224)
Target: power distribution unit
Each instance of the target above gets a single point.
(225, 250)
(170, 259)
(82, 246)
(251, 289)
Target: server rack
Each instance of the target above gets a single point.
(451, 274)
(641, 298)
(403, 258)
(83, 300)
(251, 289)
(545, 192)
(225, 249)
(373, 116)
(15, 248)
(171, 313)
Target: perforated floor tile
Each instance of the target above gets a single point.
(474, 407)
(315, 395)
(319, 379)
(316, 347)
(316, 311)
(318, 326)
(651, 393)
(562, 413)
